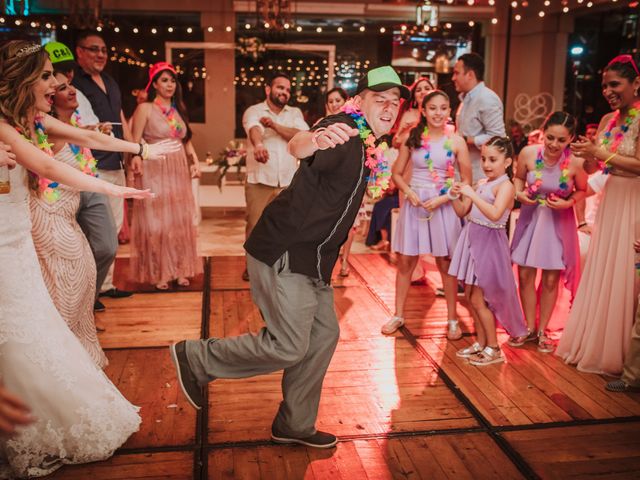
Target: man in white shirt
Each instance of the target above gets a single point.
(269, 126)
(480, 115)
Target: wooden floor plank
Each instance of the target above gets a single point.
(123, 281)
(150, 319)
(167, 417)
(390, 388)
(587, 451)
(144, 466)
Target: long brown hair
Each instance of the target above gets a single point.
(21, 65)
(19, 72)
(412, 102)
(177, 100)
(415, 137)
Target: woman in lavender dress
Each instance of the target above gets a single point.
(481, 259)
(549, 182)
(427, 223)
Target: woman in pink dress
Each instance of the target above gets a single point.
(598, 332)
(163, 235)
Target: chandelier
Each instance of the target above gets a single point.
(427, 14)
(273, 13)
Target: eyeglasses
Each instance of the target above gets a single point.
(95, 50)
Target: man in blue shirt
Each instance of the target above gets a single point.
(103, 93)
(480, 114)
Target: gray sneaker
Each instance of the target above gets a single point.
(190, 386)
(317, 440)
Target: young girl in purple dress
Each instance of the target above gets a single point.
(427, 223)
(481, 259)
(549, 182)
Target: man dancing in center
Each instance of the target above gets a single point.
(291, 253)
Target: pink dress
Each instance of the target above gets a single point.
(163, 236)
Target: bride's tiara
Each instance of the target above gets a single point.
(28, 50)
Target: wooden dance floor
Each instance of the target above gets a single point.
(404, 406)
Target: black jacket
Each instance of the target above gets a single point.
(311, 219)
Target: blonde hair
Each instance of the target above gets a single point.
(19, 73)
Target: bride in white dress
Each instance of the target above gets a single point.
(79, 415)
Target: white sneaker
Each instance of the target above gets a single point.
(487, 356)
(453, 330)
(392, 325)
(469, 351)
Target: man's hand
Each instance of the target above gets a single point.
(267, 122)
(334, 135)
(260, 153)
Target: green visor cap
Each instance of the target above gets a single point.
(58, 52)
(381, 79)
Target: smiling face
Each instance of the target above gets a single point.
(556, 138)
(494, 162)
(44, 89)
(421, 89)
(91, 54)
(279, 92)
(65, 97)
(618, 91)
(334, 103)
(165, 85)
(380, 109)
(437, 110)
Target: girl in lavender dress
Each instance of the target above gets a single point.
(427, 223)
(549, 182)
(481, 258)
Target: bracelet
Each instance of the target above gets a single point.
(452, 197)
(139, 154)
(145, 151)
(609, 158)
(582, 224)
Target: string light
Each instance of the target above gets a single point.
(362, 28)
(247, 26)
(382, 29)
(210, 29)
(518, 17)
(135, 30)
(340, 29)
(319, 29)
(115, 29)
(565, 9)
(298, 28)
(154, 31)
(228, 29)
(494, 20)
(471, 23)
(514, 4)
(541, 13)
(170, 29)
(189, 30)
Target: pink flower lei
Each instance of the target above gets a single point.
(378, 180)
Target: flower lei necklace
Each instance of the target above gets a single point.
(170, 115)
(617, 139)
(83, 155)
(47, 188)
(563, 180)
(426, 145)
(378, 179)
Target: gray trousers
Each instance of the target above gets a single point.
(300, 337)
(96, 220)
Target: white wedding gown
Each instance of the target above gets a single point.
(80, 415)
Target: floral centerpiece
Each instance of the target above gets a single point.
(233, 156)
